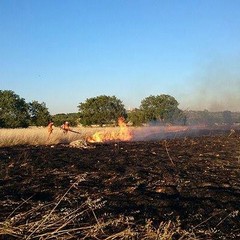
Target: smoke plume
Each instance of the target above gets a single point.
(216, 88)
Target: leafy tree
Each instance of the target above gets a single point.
(13, 110)
(177, 116)
(208, 118)
(72, 118)
(162, 108)
(39, 114)
(136, 117)
(101, 110)
(227, 117)
(59, 119)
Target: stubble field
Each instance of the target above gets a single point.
(180, 185)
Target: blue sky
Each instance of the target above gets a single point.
(63, 52)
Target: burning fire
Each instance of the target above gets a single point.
(121, 134)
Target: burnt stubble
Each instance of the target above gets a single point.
(194, 180)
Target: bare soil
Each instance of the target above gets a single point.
(194, 180)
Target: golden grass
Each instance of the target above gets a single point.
(69, 226)
(39, 136)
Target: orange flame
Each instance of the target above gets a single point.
(121, 134)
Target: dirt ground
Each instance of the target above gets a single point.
(193, 179)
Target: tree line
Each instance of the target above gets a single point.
(102, 110)
(15, 112)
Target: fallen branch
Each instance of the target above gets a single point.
(169, 154)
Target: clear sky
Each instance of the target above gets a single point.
(63, 52)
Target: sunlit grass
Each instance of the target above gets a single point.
(39, 136)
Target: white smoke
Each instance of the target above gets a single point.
(216, 88)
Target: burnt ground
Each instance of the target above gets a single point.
(193, 180)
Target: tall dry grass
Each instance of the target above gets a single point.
(39, 136)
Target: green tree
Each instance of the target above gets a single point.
(227, 117)
(101, 110)
(177, 116)
(13, 110)
(136, 117)
(59, 119)
(39, 114)
(72, 118)
(162, 108)
(208, 118)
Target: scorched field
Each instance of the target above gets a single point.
(174, 188)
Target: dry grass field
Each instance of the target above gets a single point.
(39, 136)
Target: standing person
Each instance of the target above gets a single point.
(50, 129)
(65, 127)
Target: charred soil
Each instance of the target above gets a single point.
(193, 180)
